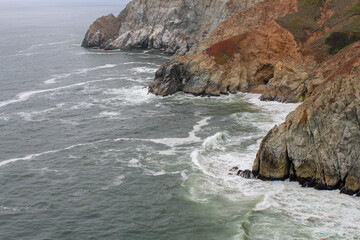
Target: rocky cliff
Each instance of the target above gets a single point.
(293, 51)
(240, 55)
(288, 50)
(273, 48)
(172, 25)
(319, 143)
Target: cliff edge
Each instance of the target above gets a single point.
(287, 50)
(160, 24)
(274, 48)
(291, 51)
(319, 143)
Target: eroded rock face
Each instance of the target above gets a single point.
(319, 144)
(242, 52)
(102, 32)
(173, 25)
(275, 48)
(170, 78)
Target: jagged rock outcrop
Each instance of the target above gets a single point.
(172, 25)
(274, 48)
(244, 63)
(304, 51)
(319, 144)
(241, 53)
(102, 32)
(171, 77)
(288, 50)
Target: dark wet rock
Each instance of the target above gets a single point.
(245, 174)
(102, 32)
(169, 79)
(233, 169)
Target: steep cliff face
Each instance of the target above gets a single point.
(241, 53)
(245, 62)
(273, 48)
(302, 50)
(173, 25)
(288, 50)
(319, 144)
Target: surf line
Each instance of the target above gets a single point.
(81, 71)
(32, 156)
(26, 95)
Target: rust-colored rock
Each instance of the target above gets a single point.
(319, 144)
(102, 32)
(274, 48)
(174, 25)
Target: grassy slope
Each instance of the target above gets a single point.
(344, 20)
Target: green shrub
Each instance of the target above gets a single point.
(304, 20)
(339, 40)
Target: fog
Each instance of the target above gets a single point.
(4, 3)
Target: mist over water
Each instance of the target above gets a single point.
(87, 153)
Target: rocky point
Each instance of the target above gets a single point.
(286, 50)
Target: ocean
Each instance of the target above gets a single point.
(87, 153)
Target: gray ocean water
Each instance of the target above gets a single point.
(87, 153)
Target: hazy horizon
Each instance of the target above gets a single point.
(61, 2)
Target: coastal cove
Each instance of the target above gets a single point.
(87, 153)
(298, 51)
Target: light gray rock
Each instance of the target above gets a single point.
(161, 24)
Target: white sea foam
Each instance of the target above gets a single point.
(174, 142)
(118, 180)
(144, 70)
(214, 160)
(47, 44)
(214, 142)
(23, 54)
(15, 210)
(35, 155)
(161, 172)
(134, 163)
(26, 95)
(275, 110)
(321, 214)
(4, 118)
(99, 53)
(27, 52)
(39, 115)
(56, 77)
(192, 138)
(141, 63)
(109, 114)
(133, 95)
(115, 182)
(26, 158)
(81, 105)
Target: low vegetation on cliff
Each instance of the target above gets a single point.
(291, 51)
(224, 51)
(312, 56)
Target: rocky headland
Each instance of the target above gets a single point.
(287, 50)
(174, 25)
